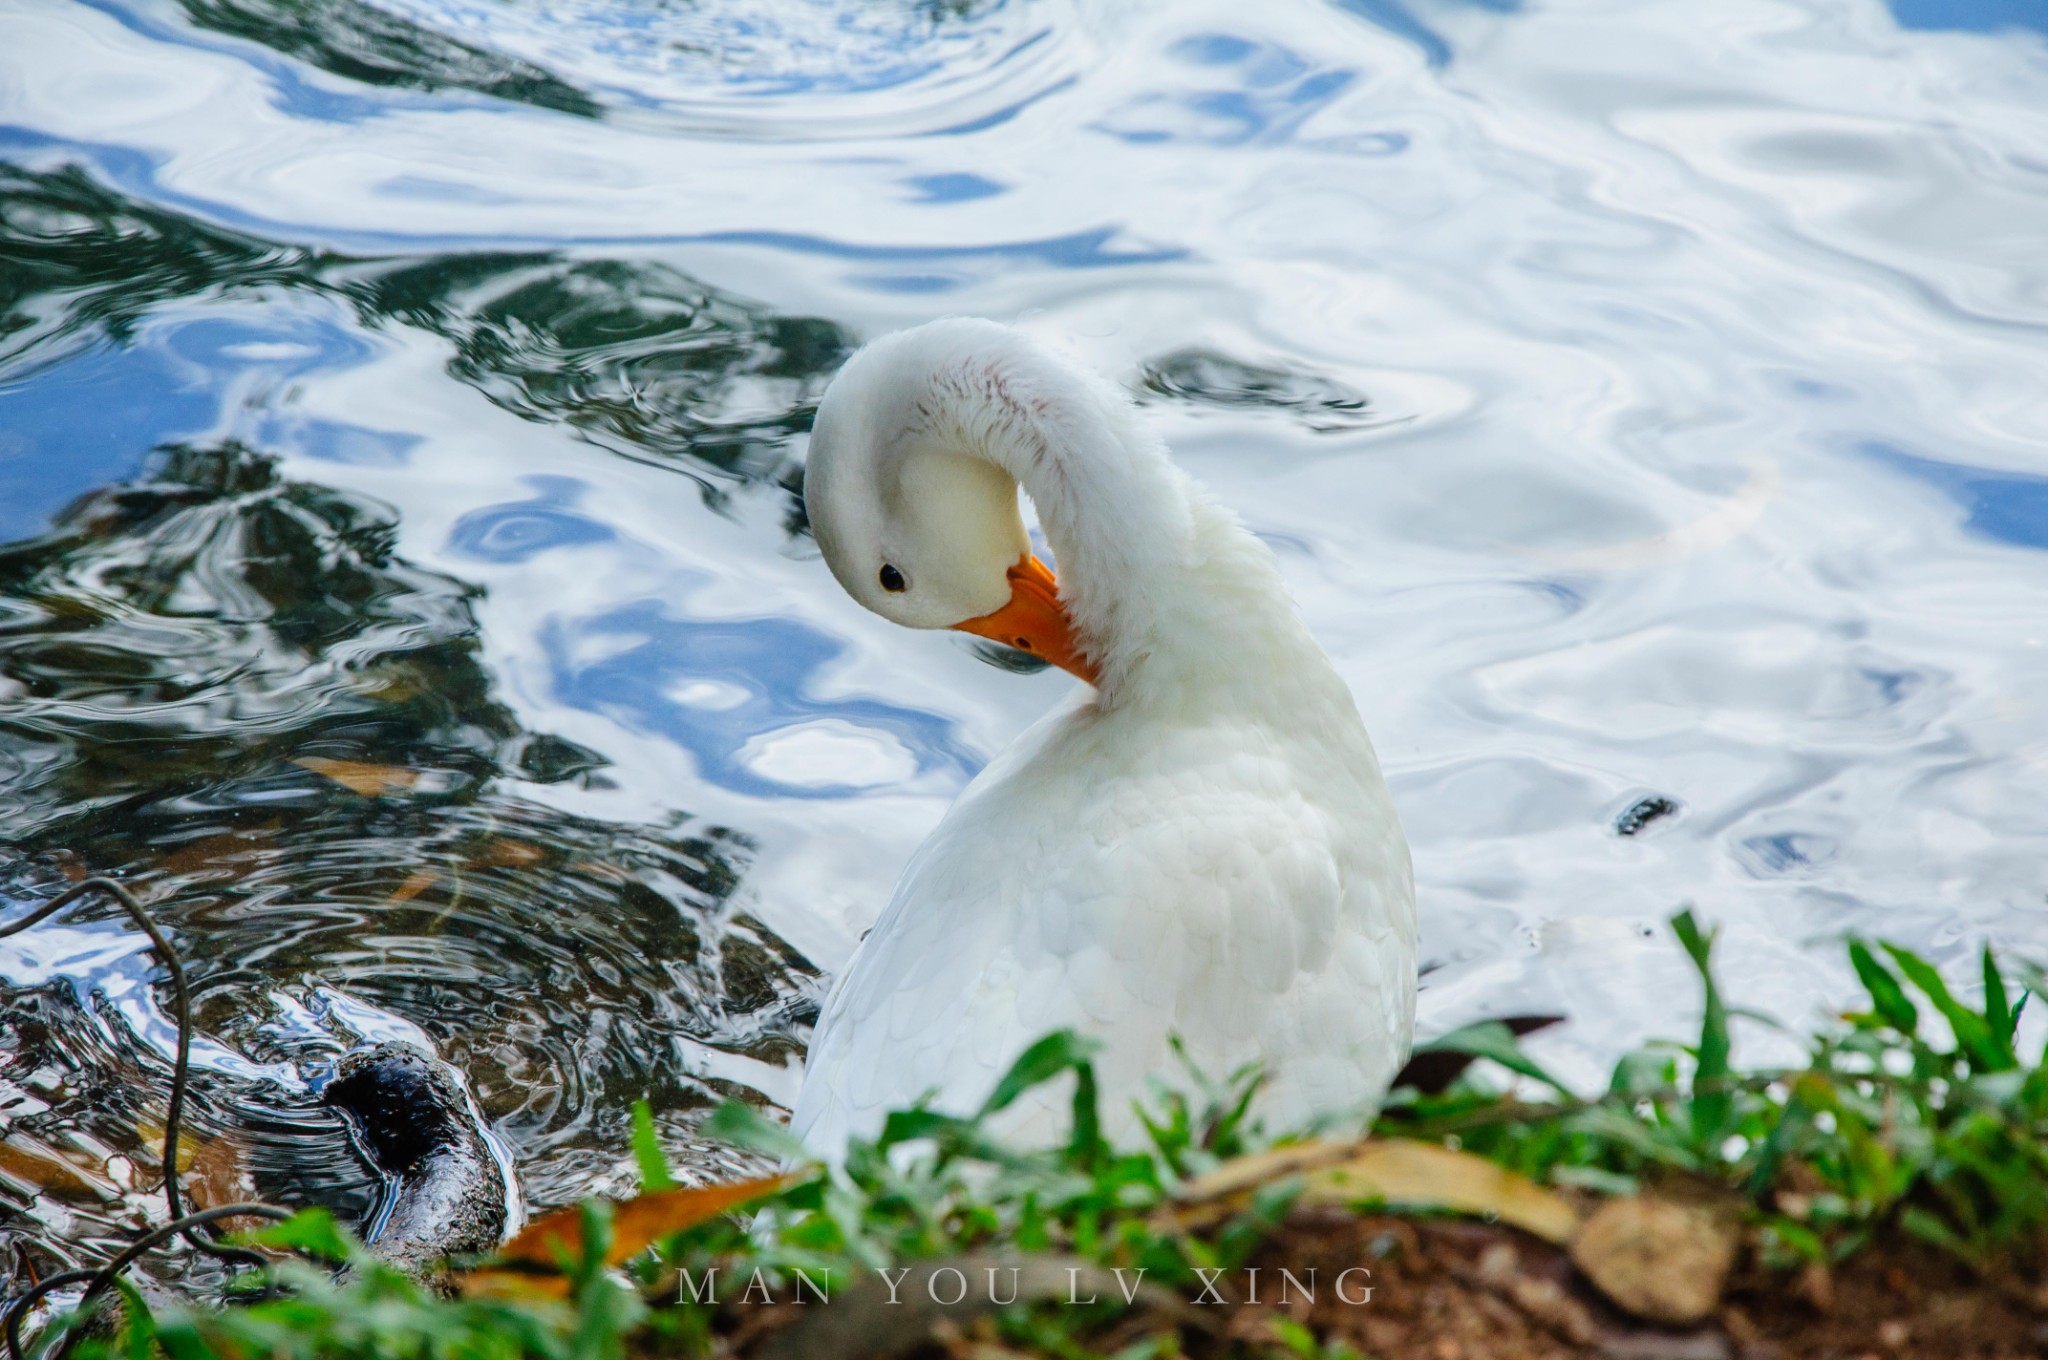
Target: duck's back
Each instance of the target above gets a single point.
(1244, 890)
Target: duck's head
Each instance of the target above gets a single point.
(913, 517)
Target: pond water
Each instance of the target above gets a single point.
(405, 584)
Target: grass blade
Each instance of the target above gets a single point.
(1973, 1035)
(654, 1174)
(1888, 1000)
(1710, 1101)
(1999, 1013)
(1493, 1040)
(1040, 1063)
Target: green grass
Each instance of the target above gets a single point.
(1916, 1114)
(1919, 1115)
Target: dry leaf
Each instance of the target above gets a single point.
(371, 781)
(42, 1172)
(508, 853)
(225, 855)
(1262, 1168)
(417, 882)
(218, 1173)
(509, 1286)
(636, 1225)
(1399, 1171)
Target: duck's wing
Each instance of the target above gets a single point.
(1214, 906)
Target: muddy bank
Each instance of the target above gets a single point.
(1402, 1288)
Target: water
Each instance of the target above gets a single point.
(402, 408)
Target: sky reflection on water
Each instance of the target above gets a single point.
(1641, 402)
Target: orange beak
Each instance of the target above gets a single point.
(1033, 620)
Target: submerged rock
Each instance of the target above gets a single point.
(449, 1195)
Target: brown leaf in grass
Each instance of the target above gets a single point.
(1262, 1168)
(512, 1286)
(371, 781)
(536, 1253)
(636, 1224)
(1399, 1171)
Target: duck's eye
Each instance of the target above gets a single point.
(892, 579)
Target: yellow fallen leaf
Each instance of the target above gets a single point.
(1398, 1171)
(1262, 1168)
(149, 1131)
(371, 781)
(1428, 1175)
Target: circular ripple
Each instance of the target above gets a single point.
(783, 68)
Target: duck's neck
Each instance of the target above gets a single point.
(1164, 589)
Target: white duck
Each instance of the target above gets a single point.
(1201, 845)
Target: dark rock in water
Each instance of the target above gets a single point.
(414, 1120)
(1642, 812)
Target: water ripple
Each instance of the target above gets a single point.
(402, 414)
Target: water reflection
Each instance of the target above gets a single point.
(771, 66)
(171, 636)
(640, 359)
(1983, 16)
(85, 1062)
(401, 416)
(753, 68)
(364, 42)
(1206, 378)
(225, 686)
(723, 688)
(634, 356)
(84, 262)
(1242, 92)
(2009, 507)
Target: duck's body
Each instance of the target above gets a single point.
(1201, 848)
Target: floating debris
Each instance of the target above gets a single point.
(1211, 379)
(1642, 812)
